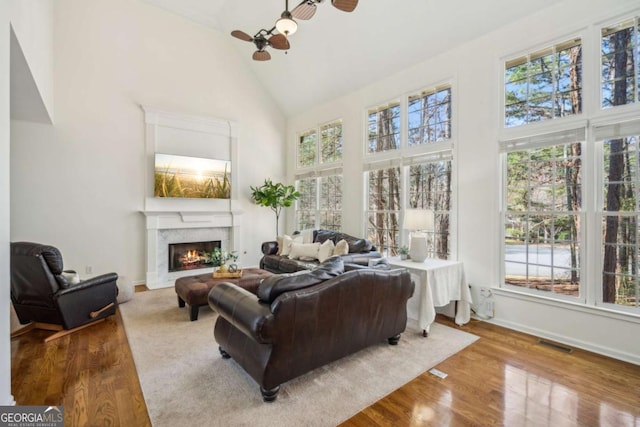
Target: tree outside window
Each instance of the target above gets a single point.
(544, 85)
(542, 219)
(429, 116)
(384, 128)
(307, 148)
(331, 202)
(430, 188)
(320, 184)
(306, 205)
(620, 75)
(383, 224)
(331, 142)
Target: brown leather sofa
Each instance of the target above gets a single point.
(301, 321)
(360, 252)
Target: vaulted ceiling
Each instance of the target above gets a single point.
(336, 52)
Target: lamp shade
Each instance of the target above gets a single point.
(286, 25)
(418, 219)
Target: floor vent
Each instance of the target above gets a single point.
(555, 346)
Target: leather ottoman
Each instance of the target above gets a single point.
(194, 290)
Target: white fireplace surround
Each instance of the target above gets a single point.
(177, 220)
(182, 227)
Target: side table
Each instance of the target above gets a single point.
(438, 282)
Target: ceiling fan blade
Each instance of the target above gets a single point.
(241, 35)
(261, 55)
(304, 10)
(279, 41)
(345, 5)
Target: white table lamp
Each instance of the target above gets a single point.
(418, 221)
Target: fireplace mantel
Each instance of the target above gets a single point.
(176, 220)
(159, 220)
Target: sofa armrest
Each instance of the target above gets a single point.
(242, 309)
(78, 301)
(90, 283)
(269, 248)
(361, 258)
(382, 264)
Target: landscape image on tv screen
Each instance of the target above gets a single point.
(191, 177)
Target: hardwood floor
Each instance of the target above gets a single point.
(504, 378)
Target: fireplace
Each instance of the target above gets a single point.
(191, 255)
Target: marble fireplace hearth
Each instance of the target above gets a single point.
(164, 228)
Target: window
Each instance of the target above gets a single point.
(331, 202)
(543, 213)
(331, 142)
(544, 85)
(384, 128)
(620, 213)
(306, 204)
(410, 169)
(620, 222)
(620, 46)
(319, 177)
(383, 214)
(429, 116)
(430, 188)
(307, 147)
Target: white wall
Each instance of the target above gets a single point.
(79, 184)
(32, 22)
(475, 70)
(5, 299)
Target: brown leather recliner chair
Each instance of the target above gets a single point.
(42, 295)
(298, 322)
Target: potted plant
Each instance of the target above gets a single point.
(219, 258)
(275, 196)
(404, 252)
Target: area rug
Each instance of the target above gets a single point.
(186, 382)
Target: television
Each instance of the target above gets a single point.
(191, 177)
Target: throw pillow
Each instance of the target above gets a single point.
(326, 250)
(304, 251)
(287, 241)
(342, 248)
(279, 243)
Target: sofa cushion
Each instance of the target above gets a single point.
(274, 286)
(304, 251)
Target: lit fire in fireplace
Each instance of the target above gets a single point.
(191, 256)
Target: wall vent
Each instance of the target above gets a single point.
(555, 346)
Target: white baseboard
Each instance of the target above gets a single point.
(626, 357)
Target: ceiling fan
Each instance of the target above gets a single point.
(263, 39)
(307, 8)
(286, 26)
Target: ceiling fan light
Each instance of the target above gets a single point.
(286, 25)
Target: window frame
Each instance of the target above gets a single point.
(318, 169)
(407, 155)
(526, 53)
(542, 140)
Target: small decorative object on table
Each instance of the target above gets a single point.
(219, 258)
(404, 252)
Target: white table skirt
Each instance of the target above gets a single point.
(438, 283)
